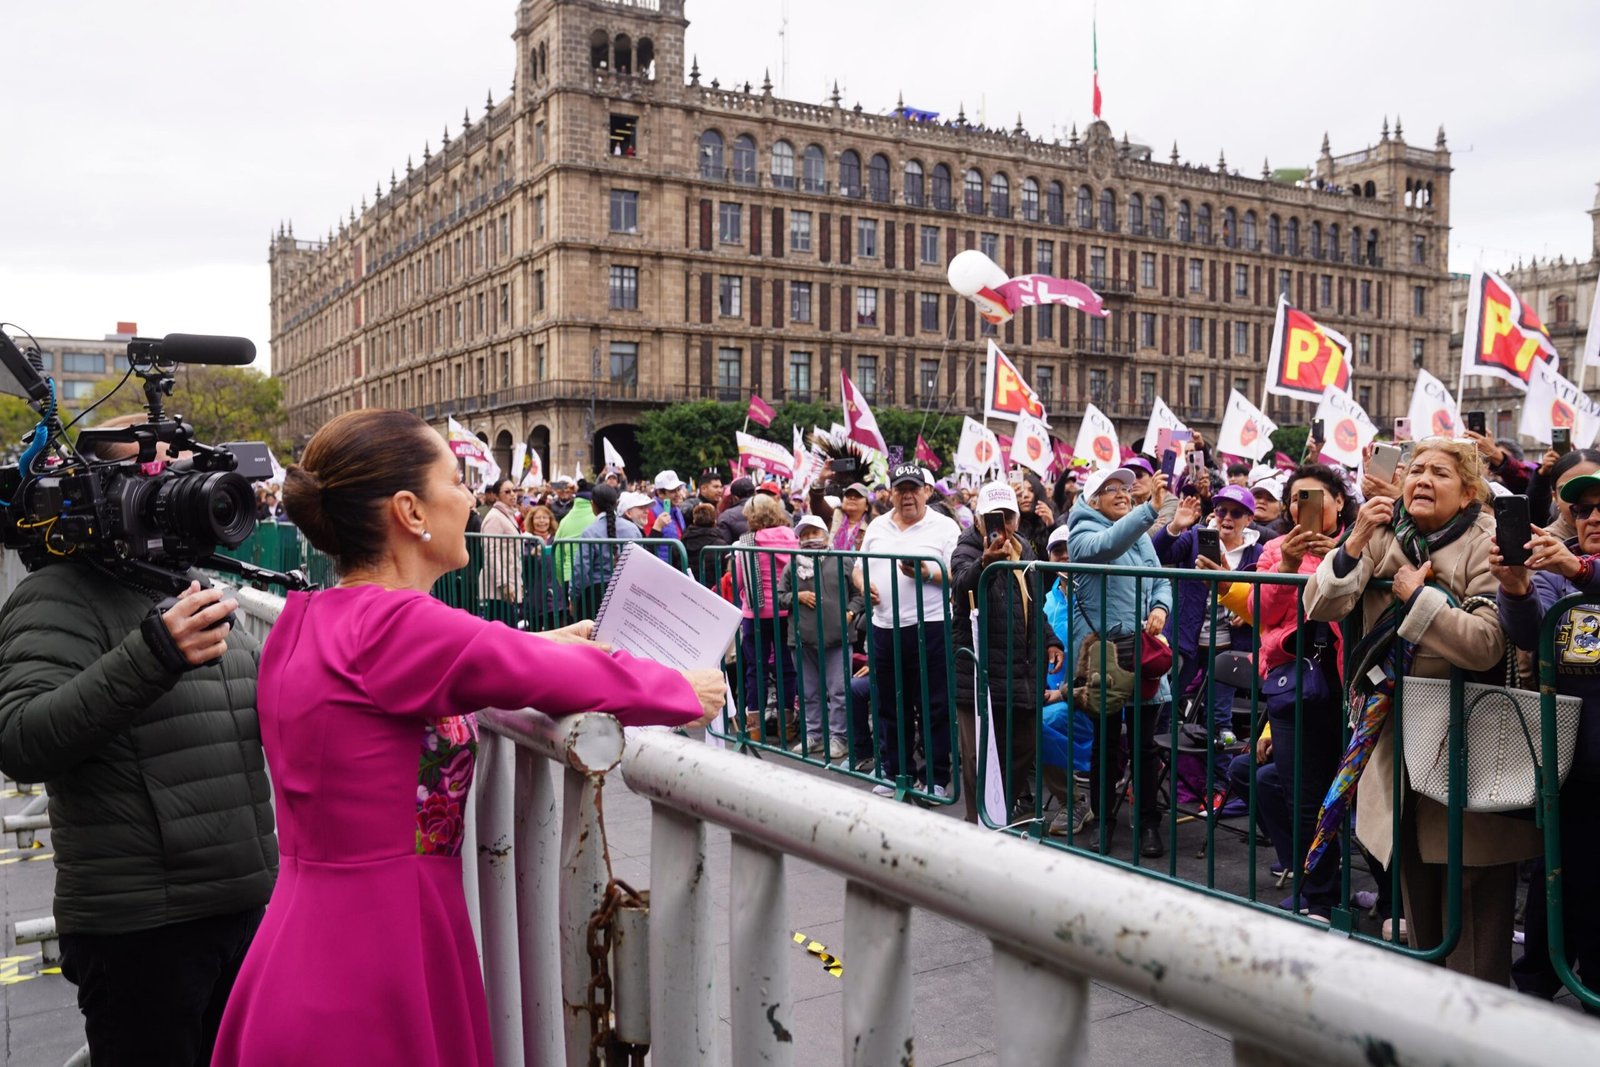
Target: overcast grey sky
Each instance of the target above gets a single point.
(151, 148)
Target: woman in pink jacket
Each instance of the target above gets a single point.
(1295, 652)
(764, 634)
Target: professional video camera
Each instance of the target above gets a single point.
(143, 516)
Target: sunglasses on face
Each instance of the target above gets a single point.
(1581, 512)
(1234, 514)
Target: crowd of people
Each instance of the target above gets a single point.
(196, 908)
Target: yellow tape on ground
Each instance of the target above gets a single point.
(28, 859)
(830, 963)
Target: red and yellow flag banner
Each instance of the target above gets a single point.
(1007, 394)
(1306, 358)
(1502, 336)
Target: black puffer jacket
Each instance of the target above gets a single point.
(160, 809)
(1012, 620)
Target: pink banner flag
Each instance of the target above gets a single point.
(927, 455)
(760, 411)
(1032, 289)
(859, 424)
(1063, 458)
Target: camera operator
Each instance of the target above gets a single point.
(143, 727)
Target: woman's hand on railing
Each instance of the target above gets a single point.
(1518, 581)
(1375, 514)
(710, 688)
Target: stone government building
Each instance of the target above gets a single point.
(618, 234)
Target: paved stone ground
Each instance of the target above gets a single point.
(42, 1024)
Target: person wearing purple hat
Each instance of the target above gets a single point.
(1233, 509)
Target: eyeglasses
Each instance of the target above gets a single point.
(1581, 512)
(1235, 514)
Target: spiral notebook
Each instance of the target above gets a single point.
(657, 612)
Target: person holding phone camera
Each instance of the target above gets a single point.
(1231, 544)
(1556, 569)
(1435, 540)
(1546, 506)
(1008, 606)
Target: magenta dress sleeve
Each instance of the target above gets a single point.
(418, 656)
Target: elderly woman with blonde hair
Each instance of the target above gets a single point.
(1433, 545)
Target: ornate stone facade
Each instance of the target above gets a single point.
(618, 234)
(1562, 294)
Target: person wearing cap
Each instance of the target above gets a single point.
(1557, 569)
(1105, 527)
(561, 501)
(1143, 474)
(847, 523)
(817, 594)
(1012, 614)
(1269, 517)
(1233, 509)
(666, 519)
(907, 644)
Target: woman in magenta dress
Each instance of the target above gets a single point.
(366, 696)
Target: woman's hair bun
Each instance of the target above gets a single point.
(302, 503)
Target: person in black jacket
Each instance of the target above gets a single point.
(1012, 616)
(143, 727)
(702, 532)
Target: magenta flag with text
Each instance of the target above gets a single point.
(760, 411)
(926, 454)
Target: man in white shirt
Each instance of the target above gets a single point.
(911, 621)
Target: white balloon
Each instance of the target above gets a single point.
(971, 270)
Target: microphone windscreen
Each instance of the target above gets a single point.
(204, 348)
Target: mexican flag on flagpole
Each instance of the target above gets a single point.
(1095, 37)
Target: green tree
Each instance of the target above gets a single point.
(1290, 440)
(689, 437)
(221, 403)
(16, 419)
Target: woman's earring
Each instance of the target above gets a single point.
(426, 537)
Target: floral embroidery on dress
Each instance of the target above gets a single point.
(444, 775)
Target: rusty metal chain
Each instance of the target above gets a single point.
(603, 1047)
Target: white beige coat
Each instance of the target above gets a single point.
(1444, 636)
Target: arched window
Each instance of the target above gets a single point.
(972, 191)
(1055, 204)
(1333, 241)
(783, 165)
(1316, 239)
(1108, 210)
(1185, 221)
(999, 196)
(1355, 244)
(533, 65)
(1158, 216)
(622, 60)
(1030, 199)
(1135, 213)
(914, 183)
(456, 197)
(1230, 227)
(646, 58)
(814, 170)
(744, 159)
(1085, 207)
(501, 174)
(1292, 235)
(1372, 249)
(1561, 310)
(1202, 224)
(849, 173)
(1274, 234)
(544, 62)
(599, 50)
(711, 156)
(1369, 191)
(1250, 241)
(878, 178)
(941, 187)
(477, 183)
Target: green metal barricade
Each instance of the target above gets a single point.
(891, 722)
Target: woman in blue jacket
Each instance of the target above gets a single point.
(1104, 527)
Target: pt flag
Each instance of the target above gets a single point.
(926, 454)
(1031, 447)
(1006, 392)
(1502, 337)
(859, 424)
(1552, 401)
(1305, 357)
(1097, 439)
(1246, 430)
(1433, 409)
(1161, 418)
(979, 449)
(759, 411)
(1350, 429)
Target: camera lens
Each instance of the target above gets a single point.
(206, 509)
